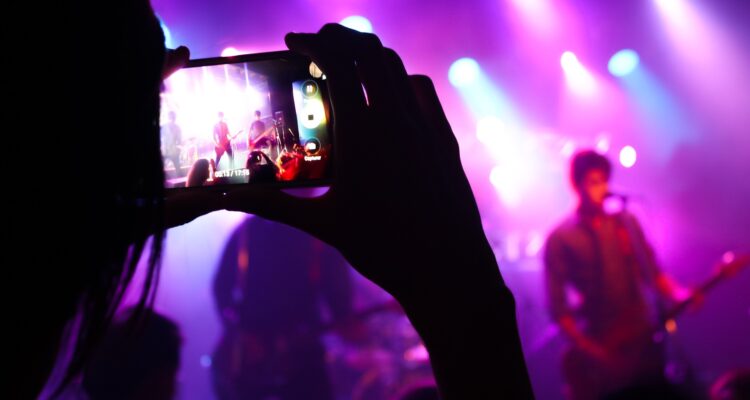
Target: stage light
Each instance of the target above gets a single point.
(568, 60)
(167, 34)
(623, 62)
(628, 156)
(578, 78)
(568, 149)
(675, 8)
(602, 144)
(229, 52)
(489, 130)
(358, 23)
(463, 72)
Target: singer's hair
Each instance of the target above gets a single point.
(585, 161)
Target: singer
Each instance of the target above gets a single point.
(601, 273)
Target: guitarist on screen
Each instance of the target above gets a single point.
(605, 290)
(261, 138)
(257, 129)
(222, 141)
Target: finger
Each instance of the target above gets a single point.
(347, 98)
(421, 136)
(429, 105)
(174, 60)
(401, 81)
(432, 111)
(440, 134)
(367, 52)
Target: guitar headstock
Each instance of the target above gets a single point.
(732, 263)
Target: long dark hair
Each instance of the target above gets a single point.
(120, 53)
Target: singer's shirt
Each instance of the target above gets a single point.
(597, 267)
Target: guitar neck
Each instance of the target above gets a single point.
(683, 305)
(736, 264)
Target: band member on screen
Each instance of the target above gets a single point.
(222, 142)
(285, 136)
(257, 128)
(171, 140)
(600, 271)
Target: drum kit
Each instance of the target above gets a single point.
(390, 359)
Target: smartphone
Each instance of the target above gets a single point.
(247, 119)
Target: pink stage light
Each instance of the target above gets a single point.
(229, 52)
(628, 156)
(578, 78)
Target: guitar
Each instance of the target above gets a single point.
(243, 355)
(220, 146)
(252, 143)
(634, 347)
(730, 267)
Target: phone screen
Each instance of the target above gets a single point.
(260, 118)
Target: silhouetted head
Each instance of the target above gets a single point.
(199, 173)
